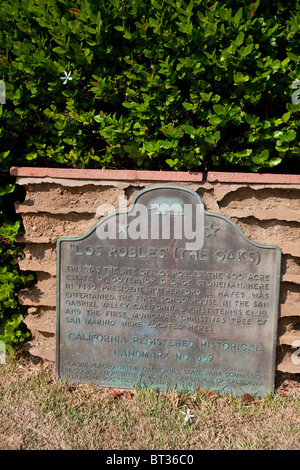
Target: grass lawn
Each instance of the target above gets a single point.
(39, 413)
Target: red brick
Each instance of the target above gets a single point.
(131, 175)
(254, 178)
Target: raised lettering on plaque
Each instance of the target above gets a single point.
(167, 295)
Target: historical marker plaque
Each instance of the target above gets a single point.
(167, 295)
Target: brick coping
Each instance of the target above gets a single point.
(264, 178)
(131, 175)
(144, 175)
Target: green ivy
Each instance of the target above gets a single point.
(187, 85)
(12, 330)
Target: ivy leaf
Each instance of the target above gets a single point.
(59, 50)
(188, 106)
(165, 144)
(240, 39)
(275, 161)
(264, 155)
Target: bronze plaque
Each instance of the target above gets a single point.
(167, 295)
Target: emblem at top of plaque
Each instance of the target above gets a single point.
(159, 213)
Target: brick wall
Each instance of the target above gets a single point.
(66, 202)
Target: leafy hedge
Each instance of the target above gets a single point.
(12, 329)
(168, 84)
